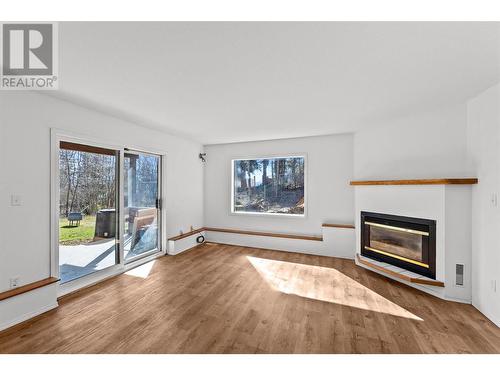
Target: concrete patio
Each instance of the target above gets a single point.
(76, 261)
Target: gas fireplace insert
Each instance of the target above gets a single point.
(405, 242)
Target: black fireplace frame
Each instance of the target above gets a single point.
(428, 248)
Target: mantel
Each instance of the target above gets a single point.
(433, 181)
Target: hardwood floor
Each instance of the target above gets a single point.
(230, 299)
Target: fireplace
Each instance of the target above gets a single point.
(405, 242)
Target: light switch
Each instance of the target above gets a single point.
(16, 200)
(494, 200)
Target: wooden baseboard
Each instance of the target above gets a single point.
(28, 288)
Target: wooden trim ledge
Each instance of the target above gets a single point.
(28, 288)
(263, 234)
(398, 275)
(187, 234)
(347, 226)
(266, 234)
(433, 181)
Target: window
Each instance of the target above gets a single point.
(274, 186)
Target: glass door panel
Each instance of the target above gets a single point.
(141, 204)
(88, 186)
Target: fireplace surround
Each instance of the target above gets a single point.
(449, 205)
(405, 242)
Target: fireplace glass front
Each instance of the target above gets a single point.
(406, 242)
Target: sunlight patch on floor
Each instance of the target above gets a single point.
(141, 271)
(324, 284)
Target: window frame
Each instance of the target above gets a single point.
(270, 214)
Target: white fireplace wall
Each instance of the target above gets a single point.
(418, 145)
(458, 239)
(413, 201)
(448, 205)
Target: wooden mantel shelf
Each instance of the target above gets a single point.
(429, 181)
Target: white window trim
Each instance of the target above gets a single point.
(263, 214)
(58, 135)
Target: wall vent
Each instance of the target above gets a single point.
(459, 274)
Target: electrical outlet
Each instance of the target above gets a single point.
(16, 200)
(14, 282)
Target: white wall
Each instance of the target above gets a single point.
(484, 151)
(423, 145)
(27, 305)
(329, 196)
(25, 120)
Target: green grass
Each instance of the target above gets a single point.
(78, 234)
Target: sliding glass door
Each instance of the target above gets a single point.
(141, 216)
(88, 206)
(107, 210)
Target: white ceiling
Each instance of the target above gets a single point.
(232, 82)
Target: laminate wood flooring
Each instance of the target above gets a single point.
(230, 299)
